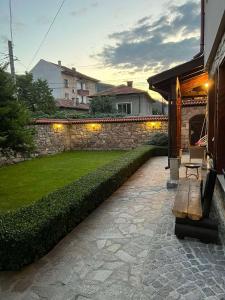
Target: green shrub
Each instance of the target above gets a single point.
(159, 139)
(75, 115)
(28, 233)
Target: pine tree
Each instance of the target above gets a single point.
(15, 135)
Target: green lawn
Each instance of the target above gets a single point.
(28, 181)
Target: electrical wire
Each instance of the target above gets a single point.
(46, 34)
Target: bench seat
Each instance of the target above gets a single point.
(187, 202)
(192, 208)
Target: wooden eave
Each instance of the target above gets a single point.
(188, 73)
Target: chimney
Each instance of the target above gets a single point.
(74, 69)
(59, 63)
(130, 83)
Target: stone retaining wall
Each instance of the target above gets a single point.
(55, 136)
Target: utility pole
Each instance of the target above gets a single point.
(11, 61)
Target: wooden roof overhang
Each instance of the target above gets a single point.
(185, 82)
(191, 76)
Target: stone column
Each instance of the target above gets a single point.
(174, 173)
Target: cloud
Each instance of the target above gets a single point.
(157, 45)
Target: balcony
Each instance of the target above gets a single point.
(82, 92)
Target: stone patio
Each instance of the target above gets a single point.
(126, 249)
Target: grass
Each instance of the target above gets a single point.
(26, 182)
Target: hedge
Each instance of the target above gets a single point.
(30, 232)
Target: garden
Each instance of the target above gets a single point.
(26, 182)
(66, 198)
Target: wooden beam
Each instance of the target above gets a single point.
(198, 82)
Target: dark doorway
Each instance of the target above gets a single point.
(195, 128)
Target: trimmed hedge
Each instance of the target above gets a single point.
(29, 233)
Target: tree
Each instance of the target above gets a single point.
(102, 104)
(36, 95)
(15, 135)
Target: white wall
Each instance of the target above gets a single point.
(214, 10)
(47, 71)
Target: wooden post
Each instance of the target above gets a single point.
(175, 119)
(211, 115)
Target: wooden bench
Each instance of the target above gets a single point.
(192, 207)
(187, 202)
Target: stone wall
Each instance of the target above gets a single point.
(97, 134)
(55, 136)
(51, 139)
(110, 136)
(187, 113)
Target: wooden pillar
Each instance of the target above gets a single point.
(211, 115)
(220, 122)
(175, 120)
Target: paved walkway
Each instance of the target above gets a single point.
(126, 249)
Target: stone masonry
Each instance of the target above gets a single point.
(55, 136)
(187, 113)
(110, 136)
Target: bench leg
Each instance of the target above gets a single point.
(205, 235)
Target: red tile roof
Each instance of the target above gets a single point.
(191, 102)
(121, 90)
(103, 120)
(74, 72)
(66, 103)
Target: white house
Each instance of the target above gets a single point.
(69, 87)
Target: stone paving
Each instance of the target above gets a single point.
(126, 249)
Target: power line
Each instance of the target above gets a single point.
(46, 34)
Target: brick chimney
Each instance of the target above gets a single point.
(130, 83)
(59, 63)
(74, 69)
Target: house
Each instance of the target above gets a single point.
(160, 107)
(70, 88)
(214, 61)
(129, 100)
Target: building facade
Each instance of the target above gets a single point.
(128, 100)
(66, 84)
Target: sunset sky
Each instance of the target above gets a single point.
(113, 41)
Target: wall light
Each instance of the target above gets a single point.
(154, 125)
(206, 85)
(58, 127)
(93, 127)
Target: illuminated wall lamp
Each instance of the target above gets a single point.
(154, 125)
(57, 127)
(94, 127)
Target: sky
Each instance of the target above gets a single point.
(113, 41)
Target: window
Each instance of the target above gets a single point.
(78, 85)
(124, 108)
(67, 95)
(66, 84)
